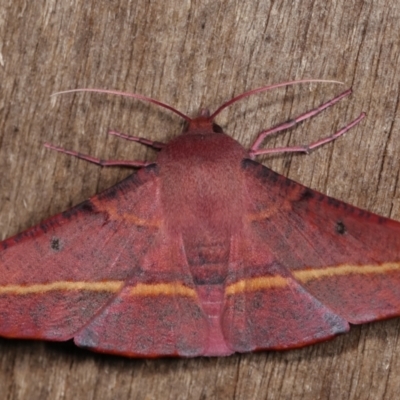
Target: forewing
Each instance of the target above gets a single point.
(57, 275)
(345, 257)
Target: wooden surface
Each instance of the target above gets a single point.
(192, 55)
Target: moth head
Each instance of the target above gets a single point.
(202, 123)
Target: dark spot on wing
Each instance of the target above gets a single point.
(55, 244)
(340, 228)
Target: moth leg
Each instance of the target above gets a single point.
(98, 161)
(288, 124)
(151, 143)
(307, 148)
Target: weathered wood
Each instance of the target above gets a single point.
(191, 55)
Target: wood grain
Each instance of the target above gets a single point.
(194, 54)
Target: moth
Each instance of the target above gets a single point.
(204, 252)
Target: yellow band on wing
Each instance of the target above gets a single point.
(305, 275)
(254, 284)
(140, 289)
(166, 289)
(177, 288)
(38, 288)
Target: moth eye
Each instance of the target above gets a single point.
(55, 244)
(341, 228)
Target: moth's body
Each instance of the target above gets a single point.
(205, 252)
(203, 196)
